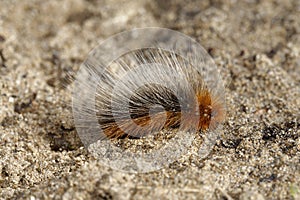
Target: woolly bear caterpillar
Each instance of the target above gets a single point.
(209, 112)
(140, 82)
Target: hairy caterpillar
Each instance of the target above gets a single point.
(209, 112)
(140, 82)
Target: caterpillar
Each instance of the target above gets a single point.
(208, 113)
(140, 82)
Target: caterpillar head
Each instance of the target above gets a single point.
(211, 110)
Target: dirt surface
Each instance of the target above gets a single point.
(256, 45)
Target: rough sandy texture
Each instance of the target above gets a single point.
(256, 45)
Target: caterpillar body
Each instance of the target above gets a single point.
(140, 82)
(205, 110)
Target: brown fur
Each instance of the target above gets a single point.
(207, 106)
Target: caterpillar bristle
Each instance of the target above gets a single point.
(150, 95)
(154, 84)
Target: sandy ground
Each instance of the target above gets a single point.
(256, 45)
